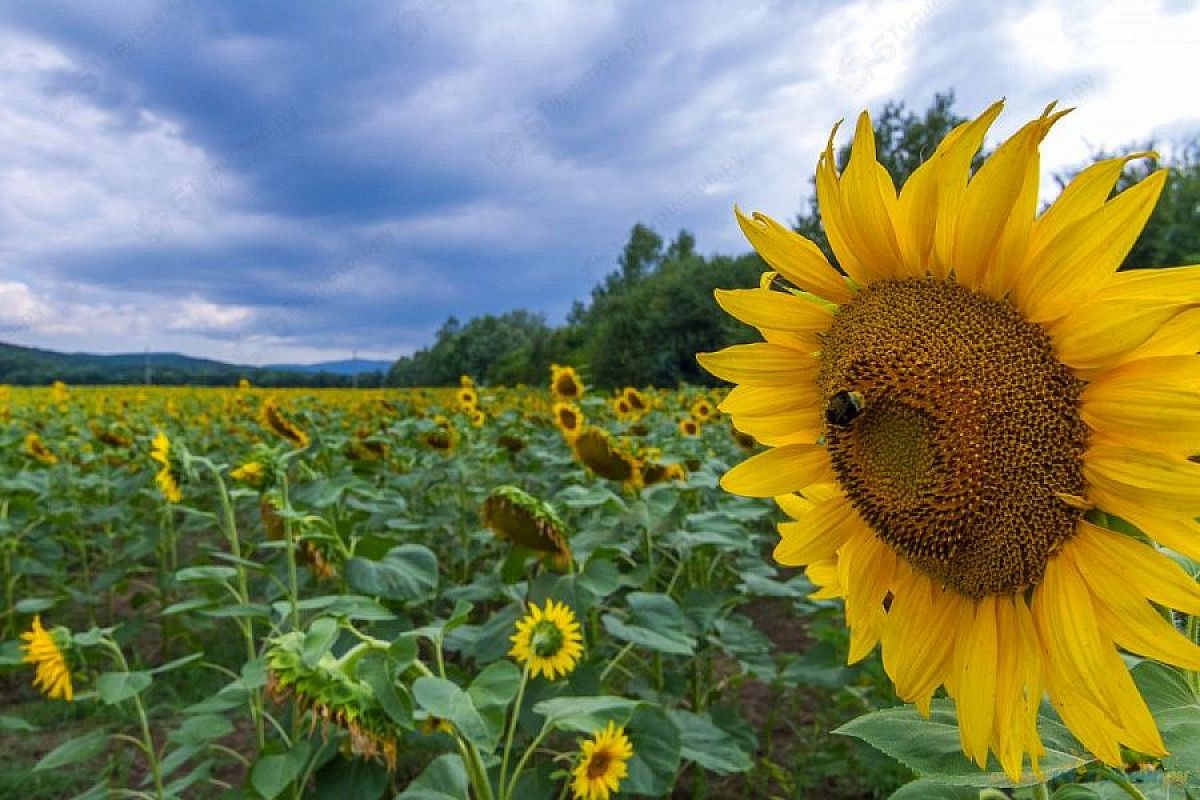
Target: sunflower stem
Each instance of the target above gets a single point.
(1120, 779)
(1041, 791)
(512, 726)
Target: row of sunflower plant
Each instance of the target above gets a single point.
(446, 593)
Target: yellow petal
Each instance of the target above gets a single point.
(836, 218)
(1087, 192)
(817, 535)
(975, 655)
(1004, 188)
(1154, 402)
(804, 426)
(760, 401)
(953, 171)
(1066, 622)
(1096, 334)
(1138, 476)
(922, 619)
(1139, 566)
(779, 471)
(775, 310)
(866, 567)
(760, 364)
(794, 257)
(869, 200)
(1177, 337)
(1085, 254)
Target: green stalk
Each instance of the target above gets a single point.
(512, 727)
(147, 744)
(1119, 778)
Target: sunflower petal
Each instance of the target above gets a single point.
(794, 257)
(817, 535)
(760, 364)
(1087, 192)
(1098, 333)
(778, 471)
(1085, 254)
(775, 310)
(975, 655)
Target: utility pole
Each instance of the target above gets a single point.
(147, 375)
(354, 366)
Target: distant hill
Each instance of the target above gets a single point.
(353, 366)
(34, 366)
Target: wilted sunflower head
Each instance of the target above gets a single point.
(519, 517)
(597, 451)
(443, 437)
(951, 401)
(35, 448)
(332, 693)
(271, 418)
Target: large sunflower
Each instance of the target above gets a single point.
(957, 409)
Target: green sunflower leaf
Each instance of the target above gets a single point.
(932, 749)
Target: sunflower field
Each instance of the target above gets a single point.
(937, 541)
(324, 593)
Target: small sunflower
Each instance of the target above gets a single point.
(548, 640)
(637, 401)
(47, 650)
(272, 418)
(956, 408)
(688, 426)
(466, 381)
(702, 410)
(468, 398)
(603, 763)
(565, 383)
(568, 419)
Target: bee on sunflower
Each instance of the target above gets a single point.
(960, 407)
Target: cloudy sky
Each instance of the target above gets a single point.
(281, 181)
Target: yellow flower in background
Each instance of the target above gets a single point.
(160, 449)
(568, 419)
(272, 418)
(466, 381)
(689, 426)
(702, 410)
(244, 384)
(603, 763)
(548, 640)
(565, 383)
(953, 406)
(250, 472)
(35, 448)
(468, 398)
(637, 401)
(47, 650)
